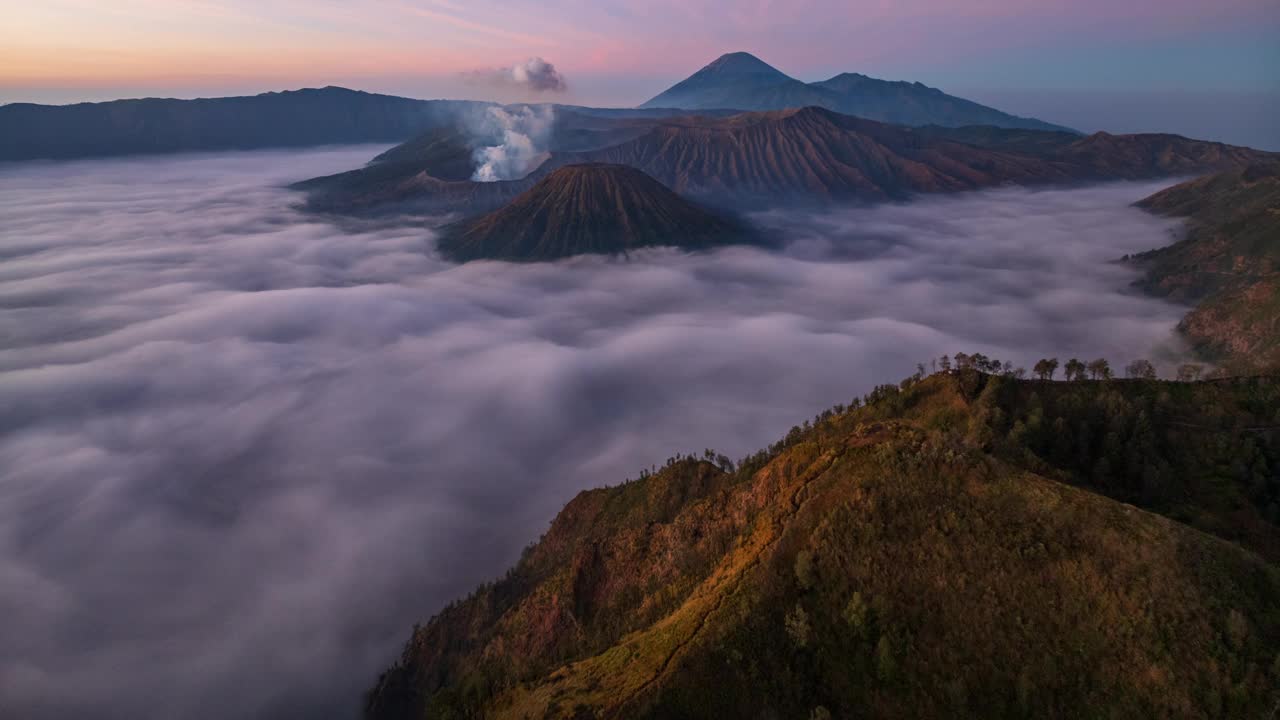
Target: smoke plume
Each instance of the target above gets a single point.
(522, 135)
(535, 75)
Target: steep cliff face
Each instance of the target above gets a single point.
(955, 547)
(1228, 264)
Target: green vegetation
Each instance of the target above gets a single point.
(962, 544)
(1228, 263)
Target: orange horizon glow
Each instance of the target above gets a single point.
(223, 43)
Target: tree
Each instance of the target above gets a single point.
(944, 362)
(963, 361)
(1075, 369)
(1141, 370)
(797, 624)
(1099, 369)
(1046, 368)
(1189, 372)
(886, 667)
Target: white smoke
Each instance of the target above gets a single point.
(535, 74)
(524, 132)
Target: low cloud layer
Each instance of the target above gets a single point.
(534, 75)
(243, 451)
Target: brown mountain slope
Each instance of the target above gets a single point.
(923, 556)
(816, 155)
(1228, 263)
(590, 208)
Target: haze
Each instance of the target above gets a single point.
(245, 449)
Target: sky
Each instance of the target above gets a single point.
(622, 52)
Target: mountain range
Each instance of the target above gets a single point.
(962, 545)
(742, 81)
(806, 155)
(332, 115)
(298, 118)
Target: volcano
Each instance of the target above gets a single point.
(743, 81)
(591, 208)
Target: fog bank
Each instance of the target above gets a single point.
(242, 451)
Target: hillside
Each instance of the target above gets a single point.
(582, 209)
(296, 118)
(439, 155)
(742, 81)
(813, 155)
(947, 549)
(1228, 264)
(816, 154)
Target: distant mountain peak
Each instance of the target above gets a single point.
(738, 63)
(742, 81)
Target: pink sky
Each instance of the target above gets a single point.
(622, 52)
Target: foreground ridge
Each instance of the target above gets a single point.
(960, 543)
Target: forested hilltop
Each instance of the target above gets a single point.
(1228, 264)
(969, 542)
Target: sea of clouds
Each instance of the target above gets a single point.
(243, 450)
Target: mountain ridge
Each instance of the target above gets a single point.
(818, 156)
(1228, 263)
(292, 118)
(955, 545)
(742, 81)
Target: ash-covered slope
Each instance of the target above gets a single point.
(1229, 263)
(955, 548)
(584, 209)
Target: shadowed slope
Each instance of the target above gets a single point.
(741, 81)
(442, 155)
(924, 556)
(578, 209)
(286, 119)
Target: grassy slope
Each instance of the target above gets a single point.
(1229, 263)
(946, 550)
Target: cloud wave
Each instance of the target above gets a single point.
(242, 450)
